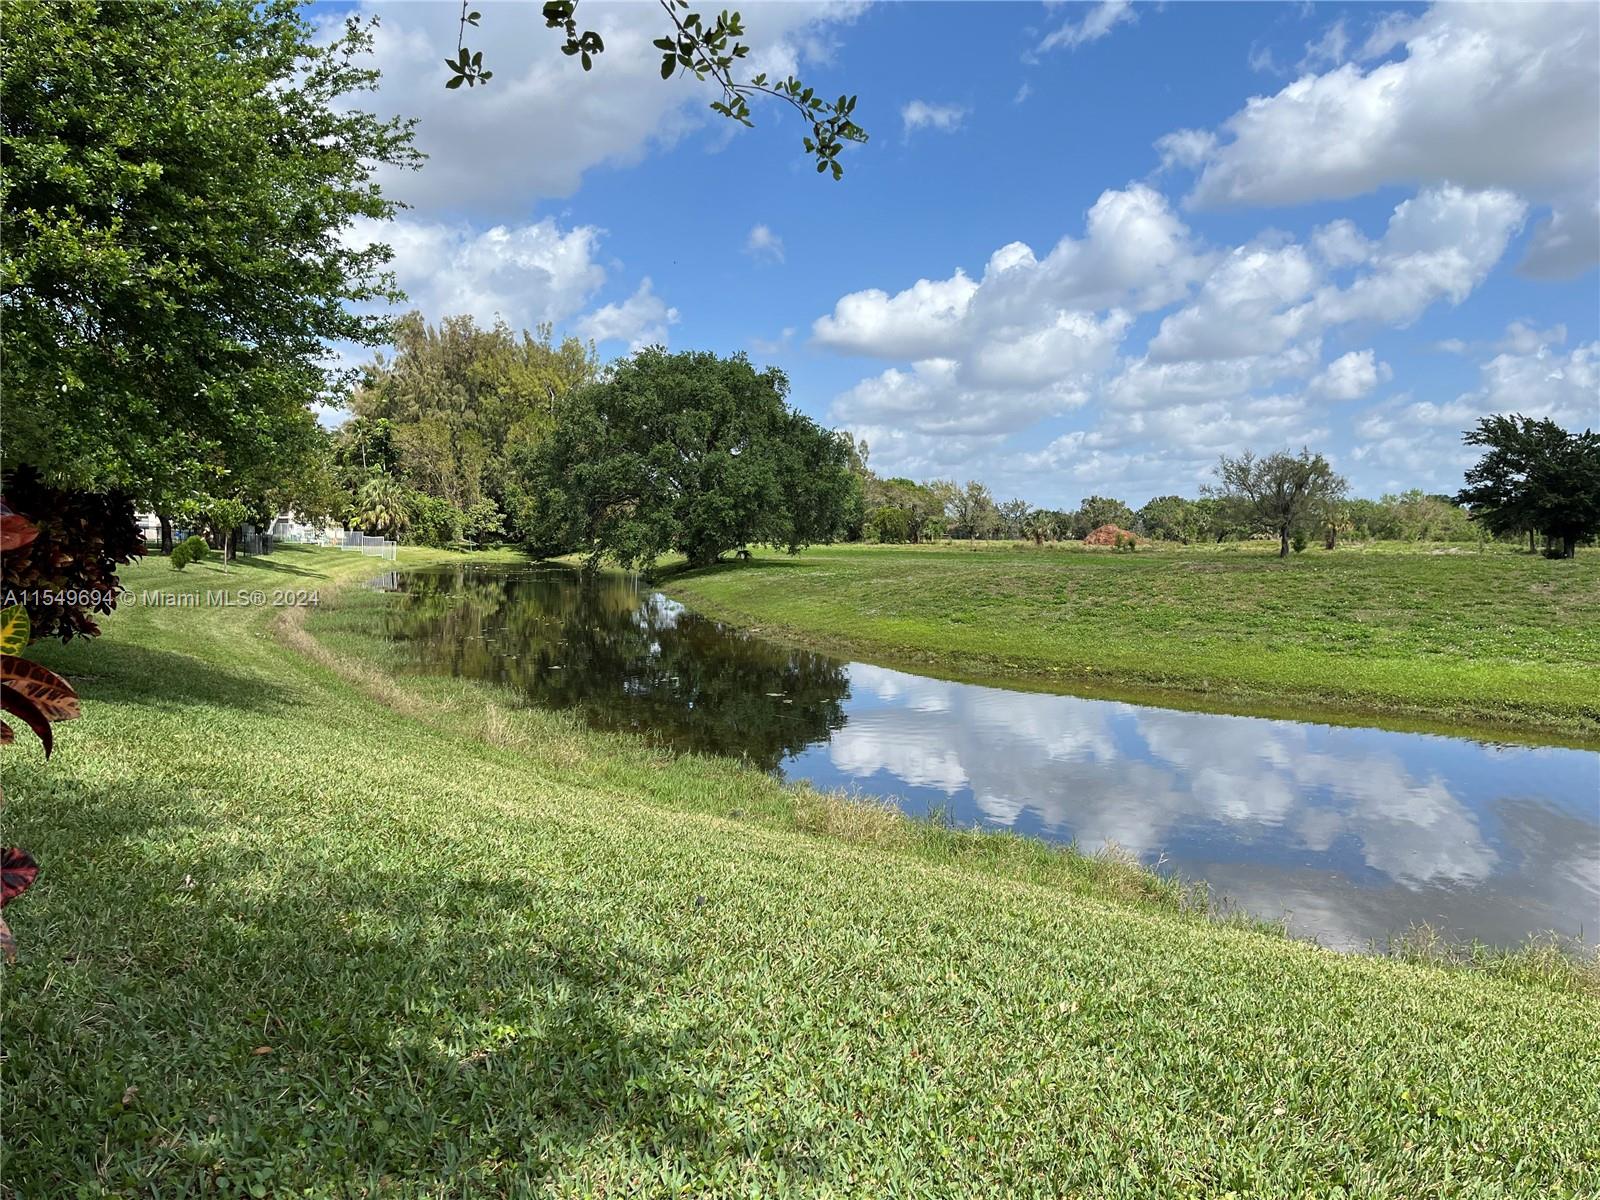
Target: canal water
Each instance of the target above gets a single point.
(1350, 834)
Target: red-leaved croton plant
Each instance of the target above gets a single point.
(32, 695)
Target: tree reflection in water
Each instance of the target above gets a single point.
(626, 658)
(1352, 833)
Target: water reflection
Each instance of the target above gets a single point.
(626, 658)
(1354, 834)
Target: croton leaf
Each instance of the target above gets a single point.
(17, 873)
(8, 944)
(6, 735)
(16, 531)
(18, 705)
(51, 694)
(14, 628)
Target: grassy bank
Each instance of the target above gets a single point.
(1432, 639)
(310, 928)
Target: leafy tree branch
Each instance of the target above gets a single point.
(708, 51)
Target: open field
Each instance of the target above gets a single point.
(1444, 638)
(305, 927)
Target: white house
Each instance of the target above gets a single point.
(285, 527)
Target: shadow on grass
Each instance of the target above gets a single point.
(685, 571)
(108, 670)
(343, 1023)
(274, 562)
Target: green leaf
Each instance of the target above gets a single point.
(14, 629)
(456, 82)
(668, 64)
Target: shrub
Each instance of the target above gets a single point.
(1298, 541)
(78, 541)
(482, 523)
(192, 549)
(31, 694)
(891, 524)
(434, 522)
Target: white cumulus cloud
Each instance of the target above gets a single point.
(1418, 442)
(542, 122)
(920, 114)
(1350, 376)
(1486, 96)
(524, 274)
(764, 245)
(640, 320)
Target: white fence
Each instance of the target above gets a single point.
(375, 547)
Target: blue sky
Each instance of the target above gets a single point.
(1089, 247)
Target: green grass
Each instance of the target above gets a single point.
(306, 927)
(1431, 638)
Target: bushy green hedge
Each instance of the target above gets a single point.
(892, 524)
(434, 522)
(191, 549)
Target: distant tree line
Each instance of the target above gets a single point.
(1538, 481)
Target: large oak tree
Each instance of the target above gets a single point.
(179, 180)
(1536, 476)
(684, 452)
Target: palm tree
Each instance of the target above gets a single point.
(381, 505)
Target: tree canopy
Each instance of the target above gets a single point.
(1278, 492)
(448, 414)
(1536, 476)
(684, 452)
(178, 183)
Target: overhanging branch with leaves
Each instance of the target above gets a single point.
(709, 52)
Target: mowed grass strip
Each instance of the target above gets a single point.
(308, 928)
(1451, 636)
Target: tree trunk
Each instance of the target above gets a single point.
(1330, 538)
(1569, 546)
(1532, 549)
(166, 533)
(1283, 542)
(227, 547)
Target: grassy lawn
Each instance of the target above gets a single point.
(306, 927)
(1445, 639)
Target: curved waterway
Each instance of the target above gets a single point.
(1352, 834)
